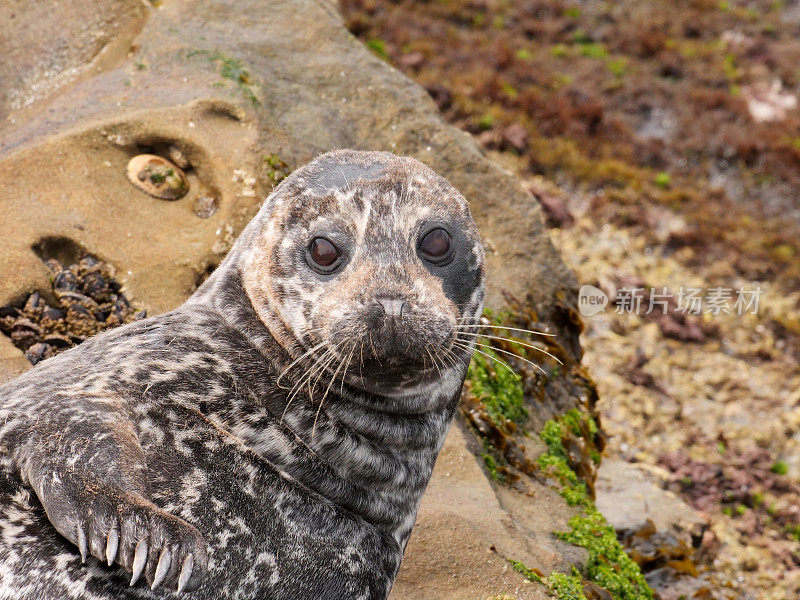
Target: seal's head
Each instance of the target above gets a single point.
(370, 264)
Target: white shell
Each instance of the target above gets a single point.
(157, 176)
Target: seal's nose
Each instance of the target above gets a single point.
(393, 308)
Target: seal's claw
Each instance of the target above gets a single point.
(139, 560)
(117, 526)
(170, 543)
(186, 573)
(162, 569)
(112, 545)
(82, 544)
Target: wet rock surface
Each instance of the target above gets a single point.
(630, 495)
(666, 537)
(39, 59)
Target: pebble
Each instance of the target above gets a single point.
(205, 206)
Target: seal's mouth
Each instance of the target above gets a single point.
(393, 374)
(398, 366)
(396, 362)
(390, 342)
(423, 356)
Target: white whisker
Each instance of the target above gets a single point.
(513, 341)
(344, 373)
(533, 364)
(452, 357)
(305, 378)
(433, 360)
(297, 360)
(494, 358)
(532, 332)
(325, 395)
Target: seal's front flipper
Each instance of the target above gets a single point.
(91, 476)
(120, 527)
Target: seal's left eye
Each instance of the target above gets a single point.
(435, 245)
(323, 252)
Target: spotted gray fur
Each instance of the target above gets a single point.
(196, 434)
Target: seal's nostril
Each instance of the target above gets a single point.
(392, 307)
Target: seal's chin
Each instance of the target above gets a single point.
(393, 374)
(393, 383)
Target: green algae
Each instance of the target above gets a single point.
(486, 121)
(501, 392)
(567, 587)
(780, 467)
(277, 170)
(532, 575)
(378, 47)
(662, 180)
(491, 464)
(524, 54)
(498, 388)
(618, 66)
(608, 565)
(593, 50)
(560, 585)
(233, 70)
(793, 531)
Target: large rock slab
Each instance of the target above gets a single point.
(230, 83)
(39, 59)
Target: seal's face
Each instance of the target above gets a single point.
(372, 263)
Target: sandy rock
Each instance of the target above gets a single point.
(39, 58)
(467, 530)
(12, 360)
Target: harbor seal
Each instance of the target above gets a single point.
(272, 437)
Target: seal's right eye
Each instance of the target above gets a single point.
(323, 253)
